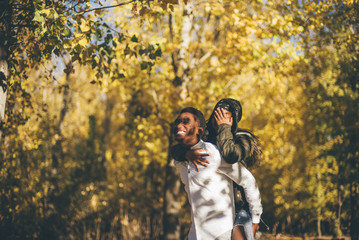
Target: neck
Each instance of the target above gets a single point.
(190, 143)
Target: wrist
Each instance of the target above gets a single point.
(256, 219)
(224, 125)
(224, 130)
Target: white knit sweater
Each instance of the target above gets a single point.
(210, 193)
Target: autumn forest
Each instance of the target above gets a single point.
(89, 91)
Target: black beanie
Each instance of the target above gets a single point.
(234, 107)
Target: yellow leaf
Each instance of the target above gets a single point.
(45, 11)
(83, 42)
(84, 27)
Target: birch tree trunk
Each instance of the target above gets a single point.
(5, 20)
(3, 86)
(181, 59)
(181, 66)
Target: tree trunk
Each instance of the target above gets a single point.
(105, 136)
(57, 155)
(171, 205)
(354, 219)
(5, 20)
(181, 59)
(350, 121)
(340, 203)
(183, 55)
(319, 210)
(181, 66)
(3, 86)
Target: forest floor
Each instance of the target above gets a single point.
(269, 236)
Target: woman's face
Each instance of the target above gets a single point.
(226, 114)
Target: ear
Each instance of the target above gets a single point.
(200, 130)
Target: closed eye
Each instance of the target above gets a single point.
(183, 121)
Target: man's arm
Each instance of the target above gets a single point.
(243, 177)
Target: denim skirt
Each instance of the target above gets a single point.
(243, 218)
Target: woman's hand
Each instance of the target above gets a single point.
(255, 227)
(197, 157)
(223, 116)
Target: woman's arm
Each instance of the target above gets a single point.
(180, 153)
(197, 157)
(243, 146)
(230, 150)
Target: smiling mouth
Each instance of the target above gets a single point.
(180, 133)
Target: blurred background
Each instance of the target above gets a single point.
(89, 90)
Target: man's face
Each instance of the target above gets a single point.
(186, 129)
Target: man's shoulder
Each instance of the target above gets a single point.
(203, 144)
(212, 150)
(210, 146)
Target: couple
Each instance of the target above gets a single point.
(209, 167)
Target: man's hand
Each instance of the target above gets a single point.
(255, 227)
(221, 117)
(197, 157)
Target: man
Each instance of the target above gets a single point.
(210, 190)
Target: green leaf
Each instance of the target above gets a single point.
(66, 32)
(11, 80)
(38, 17)
(56, 15)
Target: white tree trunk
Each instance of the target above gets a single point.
(3, 86)
(5, 21)
(182, 66)
(183, 55)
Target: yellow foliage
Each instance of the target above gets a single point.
(250, 51)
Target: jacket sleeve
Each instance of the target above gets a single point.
(178, 153)
(244, 147)
(230, 150)
(244, 178)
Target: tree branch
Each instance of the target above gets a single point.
(106, 7)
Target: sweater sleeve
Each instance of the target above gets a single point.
(244, 178)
